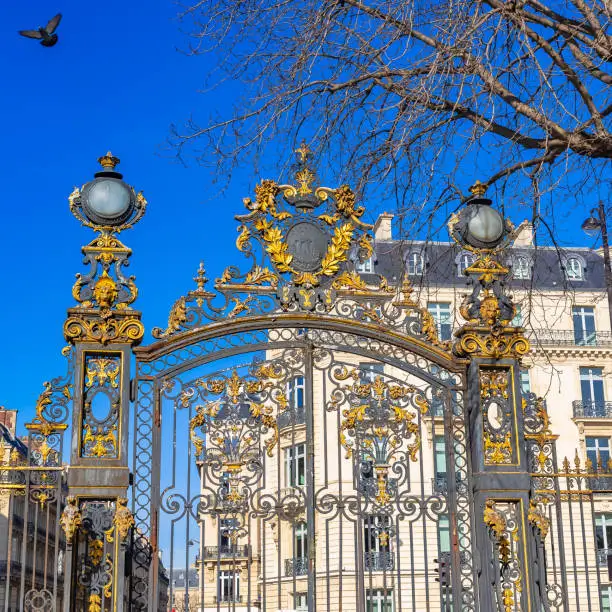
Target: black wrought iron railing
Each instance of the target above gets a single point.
(569, 337)
(231, 550)
(228, 598)
(592, 410)
(292, 416)
(439, 483)
(601, 480)
(298, 566)
(602, 555)
(378, 561)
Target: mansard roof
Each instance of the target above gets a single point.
(441, 265)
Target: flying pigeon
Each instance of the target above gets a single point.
(47, 34)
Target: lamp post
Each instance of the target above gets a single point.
(505, 507)
(592, 226)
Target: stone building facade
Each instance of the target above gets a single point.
(562, 304)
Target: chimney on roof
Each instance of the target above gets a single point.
(382, 227)
(524, 235)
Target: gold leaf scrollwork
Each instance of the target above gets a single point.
(176, 318)
(99, 444)
(336, 253)
(349, 280)
(124, 329)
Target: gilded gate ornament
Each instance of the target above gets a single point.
(123, 519)
(104, 294)
(379, 426)
(498, 428)
(71, 519)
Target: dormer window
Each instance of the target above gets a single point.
(574, 270)
(365, 267)
(414, 264)
(464, 261)
(521, 268)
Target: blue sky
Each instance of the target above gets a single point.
(115, 80)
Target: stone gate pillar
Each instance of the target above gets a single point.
(507, 542)
(102, 327)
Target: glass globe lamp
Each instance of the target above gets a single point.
(107, 200)
(482, 225)
(591, 226)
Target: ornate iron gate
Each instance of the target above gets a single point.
(301, 438)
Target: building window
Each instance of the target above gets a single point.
(376, 533)
(606, 598)
(442, 316)
(444, 533)
(368, 371)
(300, 541)
(366, 266)
(574, 269)
(517, 321)
(379, 600)
(592, 388)
(464, 261)
(440, 462)
(521, 268)
(226, 527)
(598, 451)
(524, 381)
(584, 325)
(295, 465)
(295, 392)
(229, 586)
(300, 602)
(603, 532)
(414, 264)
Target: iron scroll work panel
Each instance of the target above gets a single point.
(288, 430)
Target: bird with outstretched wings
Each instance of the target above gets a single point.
(46, 35)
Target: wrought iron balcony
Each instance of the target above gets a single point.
(439, 484)
(568, 337)
(228, 599)
(292, 416)
(601, 480)
(602, 555)
(231, 550)
(592, 410)
(297, 566)
(293, 495)
(378, 561)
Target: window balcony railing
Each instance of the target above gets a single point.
(230, 550)
(439, 483)
(602, 555)
(378, 561)
(297, 566)
(292, 416)
(592, 410)
(601, 480)
(293, 495)
(228, 599)
(568, 337)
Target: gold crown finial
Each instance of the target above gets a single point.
(478, 188)
(108, 161)
(304, 151)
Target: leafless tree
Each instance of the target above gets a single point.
(415, 95)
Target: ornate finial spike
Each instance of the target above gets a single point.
(108, 161)
(201, 279)
(566, 464)
(478, 188)
(304, 152)
(577, 461)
